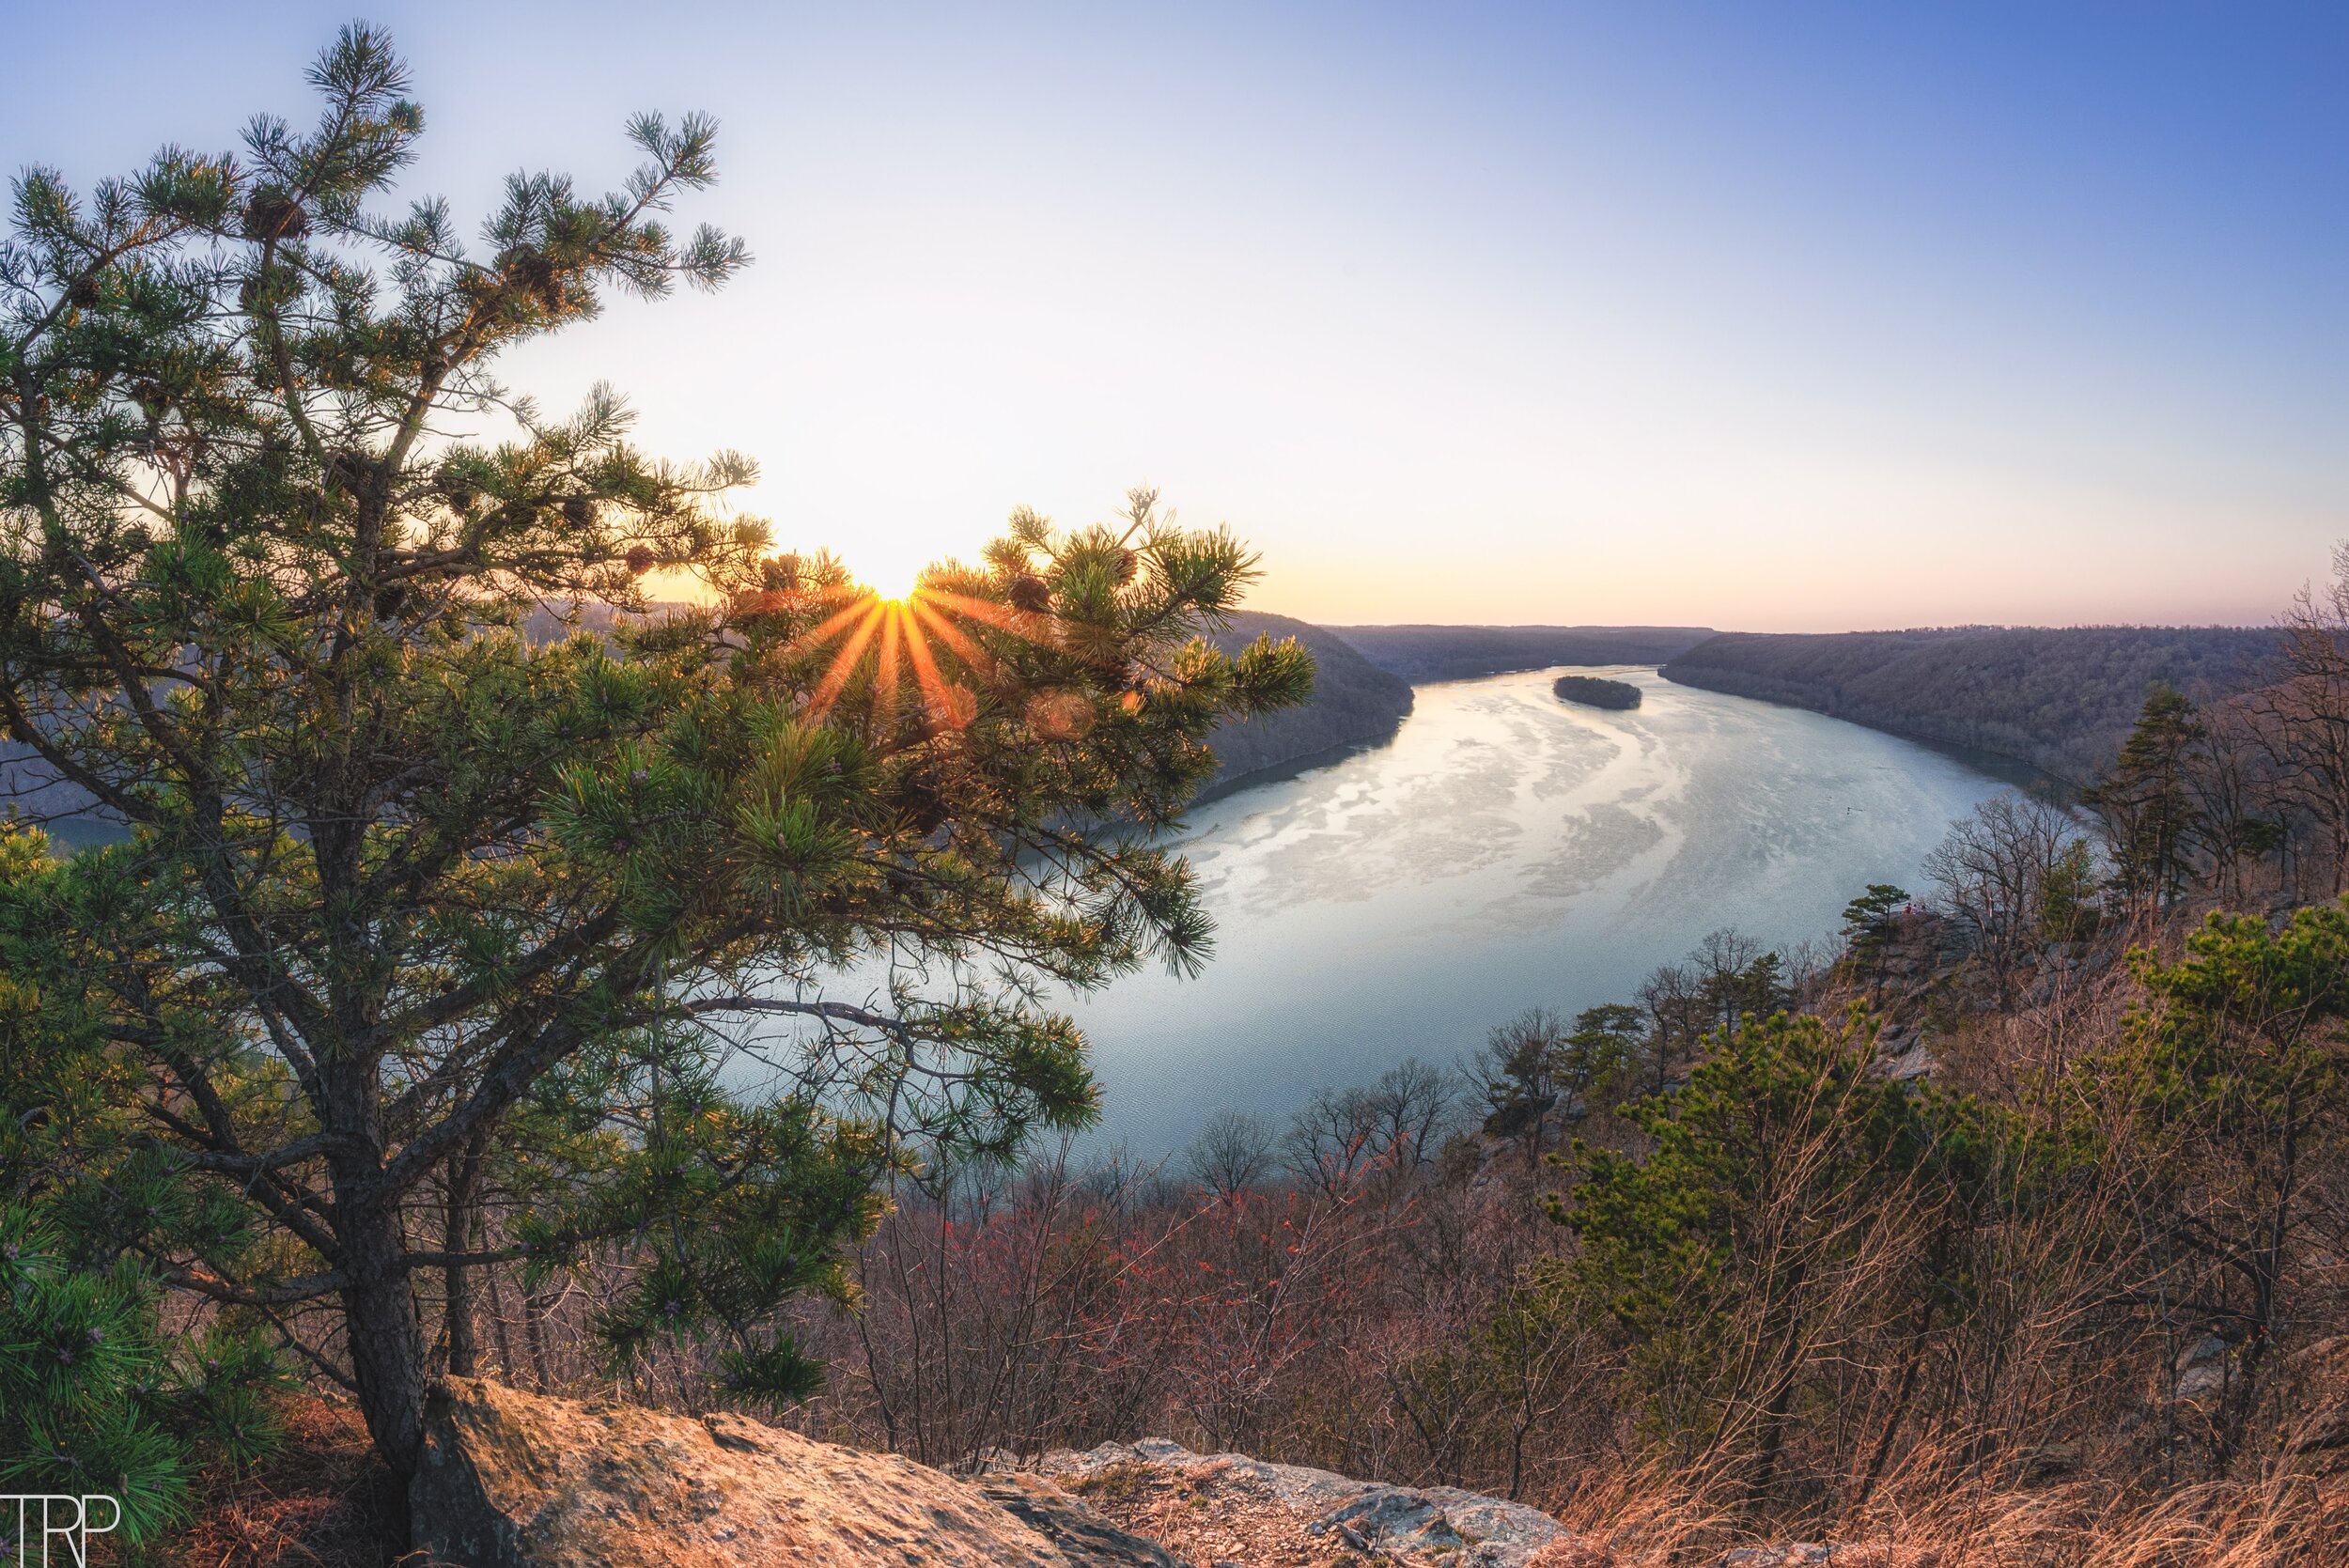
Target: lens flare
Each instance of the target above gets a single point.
(913, 641)
(895, 583)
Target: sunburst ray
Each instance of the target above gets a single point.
(844, 663)
(911, 631)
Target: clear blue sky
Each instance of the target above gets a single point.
(1778, 315)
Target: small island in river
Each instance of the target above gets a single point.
(1596, 692)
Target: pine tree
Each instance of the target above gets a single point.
(2146, 803)
(94, 1398)
(1603, 1054)
(1719, 1251)
(2228, 1087)
(1868, 919)
(448, 878)
(1534, 1071)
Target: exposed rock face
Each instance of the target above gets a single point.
(516, 1480)
(1077, 1529)
(513, 1480)
(1440, 1524)
(2204, 1369)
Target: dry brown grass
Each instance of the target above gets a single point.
(323, 1503)
(320, 1501)
(1380, 1328)
(2282, 1520)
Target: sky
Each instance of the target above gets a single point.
(1778, 316)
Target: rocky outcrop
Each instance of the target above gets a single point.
(513, 1480)
(1228, 1494)
(1077, 1529)
(517, 1481)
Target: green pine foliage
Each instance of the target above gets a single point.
(1868, 919)
(2146, 801)
(2067, 893)
(1536, 1071)
(1788, 1195)
(80, 1376)
(426, 936)
(2233, 1084)
(1717, 1250)
(94, 1397)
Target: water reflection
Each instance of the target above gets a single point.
(1505, 849)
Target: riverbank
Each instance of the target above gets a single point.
(2057, 700)
(1503, 851)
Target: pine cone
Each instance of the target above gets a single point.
(346, 471)
(456, 489)
(273, 214)
(532, 272)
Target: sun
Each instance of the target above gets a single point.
(902, 642)
(893, 582)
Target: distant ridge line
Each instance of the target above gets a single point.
(1426, 652)
(2059, 699)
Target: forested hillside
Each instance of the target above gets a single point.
(1419, 653)
(1354, 702)
(2059, 699)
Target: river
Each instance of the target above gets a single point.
(1505, 850)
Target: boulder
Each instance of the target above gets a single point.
(1077, 1529)
(1399, 1524)
(511, 1480)
(2202, 1369)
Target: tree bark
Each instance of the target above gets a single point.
(464, 1178)
(386, 1341)
(534, 1338)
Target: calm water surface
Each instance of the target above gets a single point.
(1505, 850)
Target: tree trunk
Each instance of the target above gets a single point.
(456, 1237)
(1905, 1390)
(534, 1338)
(1776, 1416)
(497, 1326)
(386, 1344)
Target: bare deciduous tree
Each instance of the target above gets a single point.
(1994, 872)
(2305, 714)
(1233, 1153)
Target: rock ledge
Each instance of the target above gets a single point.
(1461, 1530)
(513, 1480)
